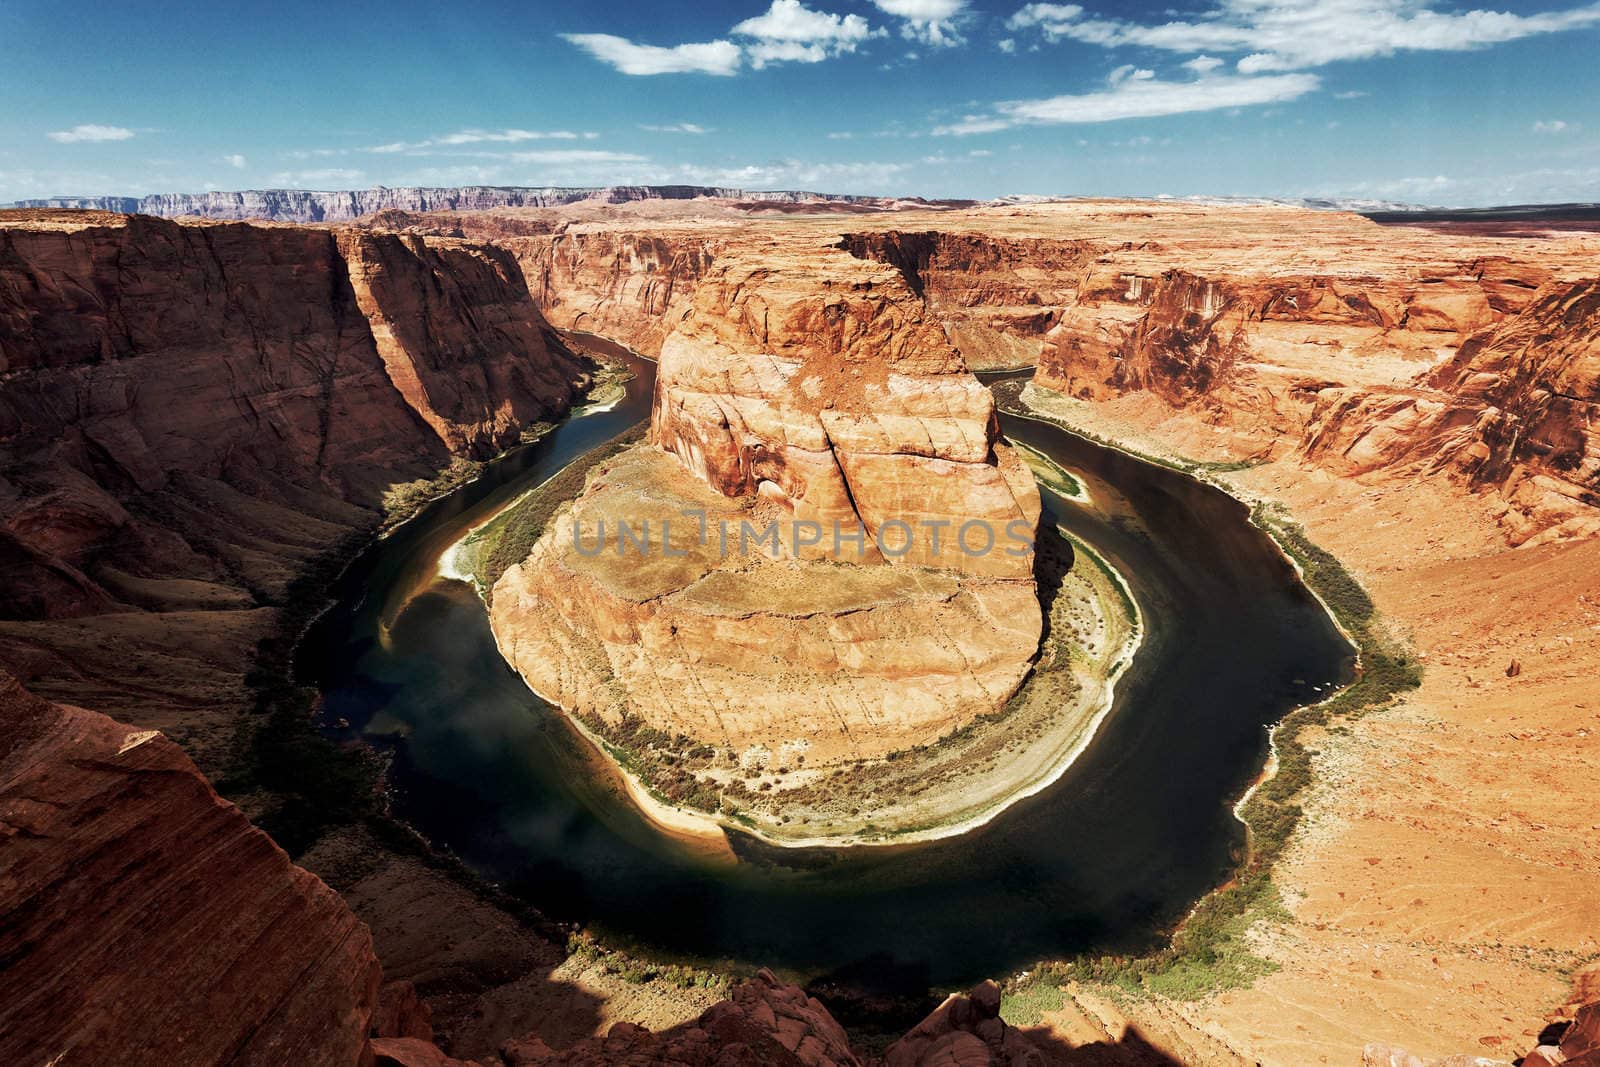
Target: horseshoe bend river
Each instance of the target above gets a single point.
(1105, 859)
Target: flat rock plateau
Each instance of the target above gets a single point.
(196, 416)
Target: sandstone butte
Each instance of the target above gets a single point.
(805, 389)
(1423, 403)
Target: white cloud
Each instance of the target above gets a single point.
(503, 136)
(574, 155)
(91, 132)
(930, 22)
(1281, 35)
(711, 57)
(787, 32)
(678, 127)
(791, 32)
(1351, 94)
(1008, 46)
(474, 136)
(236, 161)
(1128, 72)
(1133, 95)
(1551, 126)
(1202, 64)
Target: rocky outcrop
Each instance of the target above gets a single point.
(831, 392)
(1579, 1045)
(146, 920)
(820, 401)
(301, 205)
(1575, 1044)
(965, 1030)
(190, 413)
(1514, 411)
(1477, 369)
(630, 287)
(762, 1022)
(996, 297)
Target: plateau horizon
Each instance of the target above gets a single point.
(975, 538)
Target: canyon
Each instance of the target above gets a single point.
(193, 414)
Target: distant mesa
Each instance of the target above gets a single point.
(304, 205)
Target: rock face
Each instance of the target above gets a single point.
(996, 297)
(965, 1031)
(630, 287)
(831, 392)
(763, 1022)
(147, 922)
(1479, 368)
(299, 205)
(823, 400)
(191, 412)
(1579, 1045)
(1516, 409)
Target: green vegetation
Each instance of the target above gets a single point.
(508, 538)
(1051, 474)
(629, 968)
(1026, 1004)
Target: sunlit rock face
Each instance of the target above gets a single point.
(816, 396)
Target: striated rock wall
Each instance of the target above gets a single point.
(1479, 370)
(630, 287)
(810, 389)
(1516, 409)
(996, 297)
(190, 413)
(832, 392)
(146, 920)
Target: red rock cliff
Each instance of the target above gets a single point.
(146, 920)
(190, 412)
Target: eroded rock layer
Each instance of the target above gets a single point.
(146, 920)
(816, 395)
(192, 412)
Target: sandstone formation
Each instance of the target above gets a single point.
(817, 393)
(192, 412)
(146, 920)
(965, 1030)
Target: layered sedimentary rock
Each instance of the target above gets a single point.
(146, 920)
(302, 205)
(1419, 364)
(1516, 409)
(821, 399)
(192, 412)
(632, 288)
(996, 297)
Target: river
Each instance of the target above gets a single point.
(1107, 858)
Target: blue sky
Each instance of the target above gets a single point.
(1397, 99)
